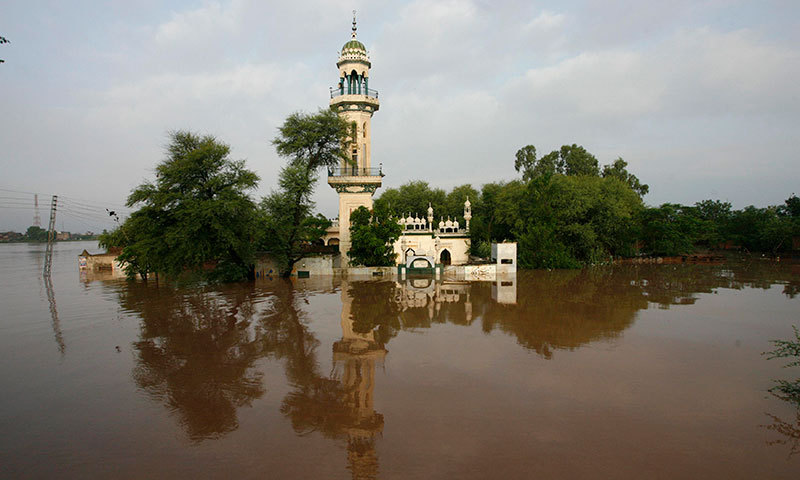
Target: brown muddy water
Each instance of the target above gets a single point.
(649, 371)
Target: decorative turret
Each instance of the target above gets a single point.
(353, 99)
(430, 215)
(467, 212)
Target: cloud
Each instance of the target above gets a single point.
(205, 21)
(693, 95)
(545, 21)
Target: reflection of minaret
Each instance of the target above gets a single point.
(355, 357)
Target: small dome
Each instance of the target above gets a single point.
(467, 203)
(354, 45)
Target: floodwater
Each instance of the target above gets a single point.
(638, 371)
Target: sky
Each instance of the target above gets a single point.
(701, 98)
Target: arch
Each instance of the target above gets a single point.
(411, 259)
(409, 253)
(445, 257)
(355, 84)
(333, 241)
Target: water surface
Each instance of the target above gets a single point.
(649, 371)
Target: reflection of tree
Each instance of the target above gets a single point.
(196, 353)
(564, 309)
(373, 309)
(339, 405)
(791, 432)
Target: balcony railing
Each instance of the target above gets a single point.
(338, 92)
(355, 172)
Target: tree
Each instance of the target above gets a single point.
(571, 160)
(577, 161)
(372, 235)
(36, 234)
(526, 161)
(791, 207)
(618, 170)
(412, 198)
(670, 229)
(715, 217)
(195, 216)
(309, 141)
(565, 221)
(454, 202)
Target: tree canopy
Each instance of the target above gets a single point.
(308, 141)
(196, 215)
(372, 235)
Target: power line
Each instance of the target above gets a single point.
(90, 217)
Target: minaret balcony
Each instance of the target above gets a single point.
(344, 102)
(355, 179)
(362, 92)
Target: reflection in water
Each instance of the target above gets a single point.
(196, 354)
(51, 300)
(339, 405)
(789, 430)
(198, 348)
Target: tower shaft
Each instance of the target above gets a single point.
(354, 180)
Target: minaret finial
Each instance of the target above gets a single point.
(354, 24)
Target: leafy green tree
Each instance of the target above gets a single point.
(715, 217)
(288, 222)
(309, 141)
(373, 234)
(670, 229)
(618, 170)
(761, 229)
(195, 216)
(412, 198)
(565, 221)
(526, 161)
(496, 213)
(571, 160)
(791, 207)
(454, 202)
(36, 234)
(577, 161)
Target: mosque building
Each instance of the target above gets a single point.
(423, 241)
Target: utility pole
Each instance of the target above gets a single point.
(37, 219)
(51, 237)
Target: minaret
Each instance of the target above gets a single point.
(355, 181)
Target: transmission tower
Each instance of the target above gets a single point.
(37, 219)
(51, 237)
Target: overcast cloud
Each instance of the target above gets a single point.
(700, 97)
